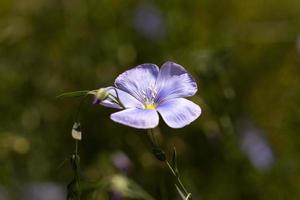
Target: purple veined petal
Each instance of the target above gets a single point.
(137, 118)
(173, 81)
(138, 80)
(107, 103)
(126, 99)
(179, 112)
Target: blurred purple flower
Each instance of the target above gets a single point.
(44, 191)
(121, 161)
(257, 150)
(255, 146)
(116, 195)
(149, 22)
(146, 90)
(3, 193)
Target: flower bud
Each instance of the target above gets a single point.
(101, 94)
(159, 154)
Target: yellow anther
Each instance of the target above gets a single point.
(150, 106)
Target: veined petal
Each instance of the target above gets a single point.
(126, 99)
(138, 80)
(179, 112)
(173, 81)
(137, 118)
(107, 103)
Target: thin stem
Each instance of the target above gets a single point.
(152, 137)
(177, 177)
(77, 115)
(76, 147)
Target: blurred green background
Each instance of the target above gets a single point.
(243, 54)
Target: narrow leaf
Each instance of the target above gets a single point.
(74, 94)
(174, 161)
(180, 193)
(189, 196)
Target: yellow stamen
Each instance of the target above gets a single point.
(150, 106)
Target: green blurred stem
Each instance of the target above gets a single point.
(74, 94)
(76, 147)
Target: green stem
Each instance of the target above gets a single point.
(76, 147)
(74, 94)
(80, 106)
(177, 177)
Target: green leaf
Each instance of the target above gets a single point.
(74, 94)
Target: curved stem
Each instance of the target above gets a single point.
(77, 115)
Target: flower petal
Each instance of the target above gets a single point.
(126, 99)
(137, 118)
(173, 81)
(179, 112)
(137, 81)
(107, 103)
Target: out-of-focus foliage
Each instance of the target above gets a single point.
(244, 55)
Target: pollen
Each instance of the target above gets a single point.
(150, 106)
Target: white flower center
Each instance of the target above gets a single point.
(148, 96)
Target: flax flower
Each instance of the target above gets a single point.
(145, 92)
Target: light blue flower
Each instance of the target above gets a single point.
(146, 90)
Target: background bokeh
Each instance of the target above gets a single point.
(243, 54)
